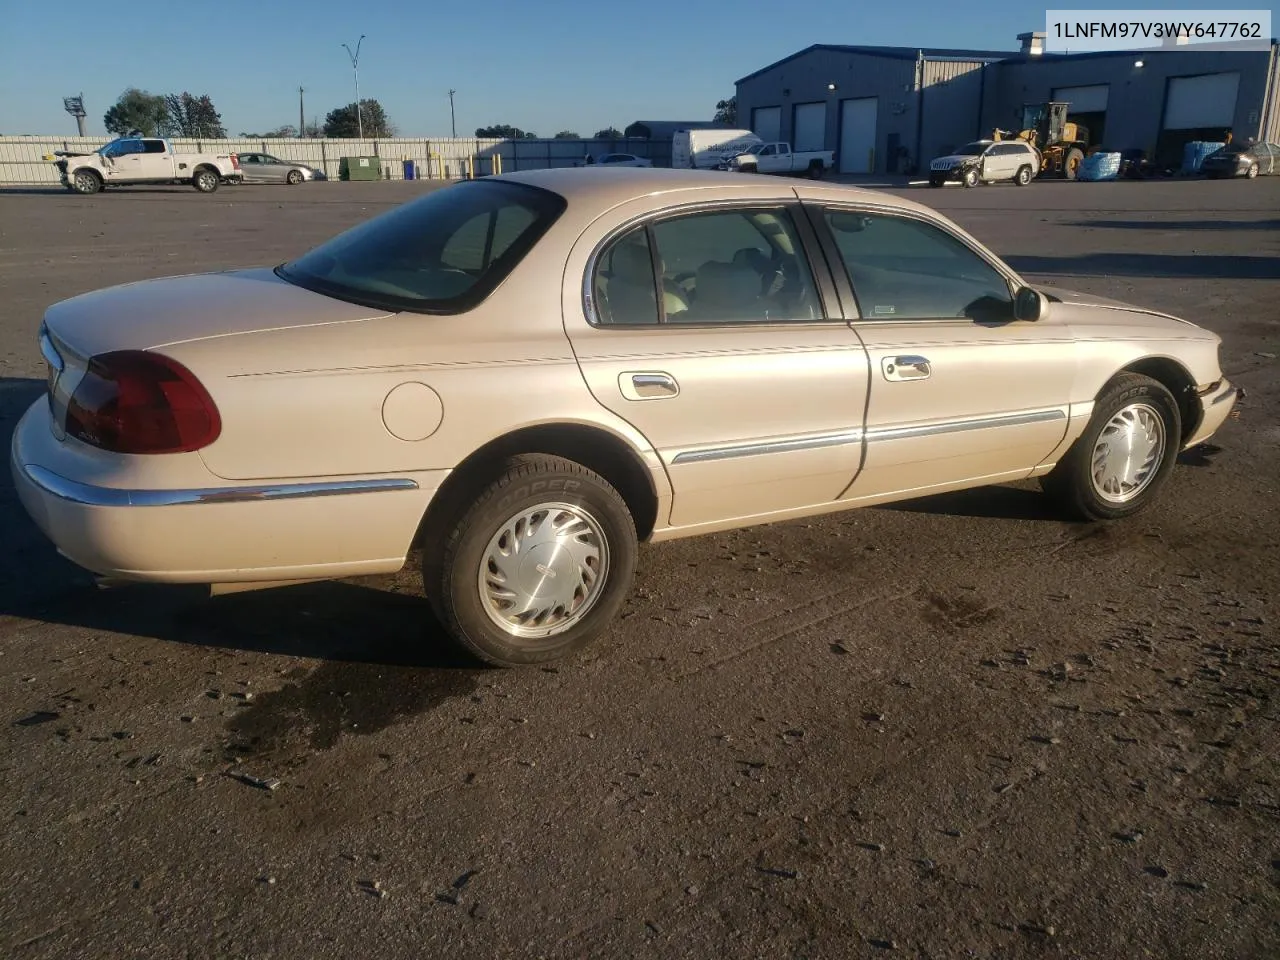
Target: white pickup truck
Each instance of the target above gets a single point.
(144, 160)
(780, 158)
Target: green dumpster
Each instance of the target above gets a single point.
(359, 168)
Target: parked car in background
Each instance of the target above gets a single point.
(616, 160)
(138, 160)
(265, 168)
(779, 158)
(1249, 160)
(680, 353)
(987, 161)
(710, 148)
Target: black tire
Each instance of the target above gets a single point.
(936, 182)
(1071, 482)
(451, 569)
(1252, 172)
(815, 170)
(294, 178)
(1071, 163)
(206, 179)
(86, 182)
(970, 177)
(1023, 176)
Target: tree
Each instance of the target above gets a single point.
(608, 133)
(194, 116)
(568, 135)
(138, 110)
(504, 131)
(727, 111)
(287, 132)
(342, 122)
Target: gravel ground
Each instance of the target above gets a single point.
(957, 727)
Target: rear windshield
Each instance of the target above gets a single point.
(442, 253)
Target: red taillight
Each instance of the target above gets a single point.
(235, 161)
(131, 401)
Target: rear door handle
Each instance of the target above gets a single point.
(648, 385)
(906, 367)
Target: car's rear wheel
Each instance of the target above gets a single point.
(1023, 176)
(1125, 455)
(294, 178)
(537, 566)
(970, 177)
(1253, 171)
(86, 181)
(1071, 163)
(206, 180)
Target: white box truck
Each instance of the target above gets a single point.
(708, 148)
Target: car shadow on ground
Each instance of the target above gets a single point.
(366, 621)
(992, 503)
(1173, 266)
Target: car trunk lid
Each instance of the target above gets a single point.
(155, 314)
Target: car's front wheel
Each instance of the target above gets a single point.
(1252, 172)
(86, 181)
(1125, 455)
(537, 566)
(294, 178)
(970, 177)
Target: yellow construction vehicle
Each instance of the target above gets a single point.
(1062, 145)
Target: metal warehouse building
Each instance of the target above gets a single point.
(892, 109)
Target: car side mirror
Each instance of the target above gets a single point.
(1030, 304)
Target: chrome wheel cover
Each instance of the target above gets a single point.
(206, 181)
(1128, 453)
(543, 570)
(86, 182)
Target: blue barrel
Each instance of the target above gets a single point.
(410, 170)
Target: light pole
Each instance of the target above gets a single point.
(355, 69)
(453, 121)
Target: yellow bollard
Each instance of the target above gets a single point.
(497, 164)
(471, 168)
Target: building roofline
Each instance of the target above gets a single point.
(888, 53)
(991, 56)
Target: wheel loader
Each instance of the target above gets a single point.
(1062, 145)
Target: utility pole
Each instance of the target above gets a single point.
(355, 69)
(302, 116)
(453, 122)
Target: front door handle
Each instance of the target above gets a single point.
(909, 367)
(649, 385)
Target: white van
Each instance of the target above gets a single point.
(707, 149)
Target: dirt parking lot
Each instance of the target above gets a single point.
(957, 727)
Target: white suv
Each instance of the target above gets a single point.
(986, 161)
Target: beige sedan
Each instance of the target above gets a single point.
(527, 375)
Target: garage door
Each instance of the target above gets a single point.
(809, 132)
(1205, 101)
(1091, 99)
(766, 122)
(858, 135)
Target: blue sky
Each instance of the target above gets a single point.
(559, 64)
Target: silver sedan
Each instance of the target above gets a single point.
(265, 168)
